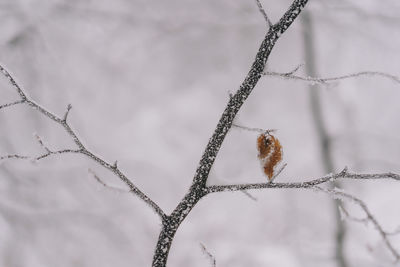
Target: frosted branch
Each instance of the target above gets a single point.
(12, 104)
(81, 148)
(262, 11)
(314, 184)
(198, 188)
(341, 195)
(308, 184)
(39, 157)
(14, 156)
(210, 256)
(13, 83)
(318, 80)
(258, 130)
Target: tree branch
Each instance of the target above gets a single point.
(314, 184)
(328, 178)
(81, 148)
(198, 189)
(369, 217)
(12, 104)
(213, 261)
(262, 11)
(318, 80)
(101, 182)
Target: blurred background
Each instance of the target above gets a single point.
(148, 81)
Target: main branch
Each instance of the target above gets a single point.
(198, 188)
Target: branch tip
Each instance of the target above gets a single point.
(69, 107)
(41, 143)
(344, 171)
(12, 81)
(262, 11)
(115, 165)
(210, 256)
(258, 130)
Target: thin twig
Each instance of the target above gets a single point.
(67, 113)
(12, 104)
(13, 83)
(81, 148)
(262, 10)
(347, 215)
(370, 218)
(100, 181)
(39, 157)
(258, 130)
(319, 80)
(210, 256)
(247, 194)
(13, 156)
(395, 232)
(278, 172)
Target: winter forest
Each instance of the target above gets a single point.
(246, 133)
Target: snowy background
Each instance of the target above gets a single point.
(148, 81)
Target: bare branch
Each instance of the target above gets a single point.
(370, 218)
(247, 194)
(395, 232)
(210, 256)
(198, 188)
(14, 156)
(12, 104)
(13, 82)
(262, 10)
(41, 156)
(278, 172)
(81, 148)
(258, 130)
(318, 80)
(313, 184)
(42, 144)
(100, 181)
(67, 113)
(347, 215)
(328, 178)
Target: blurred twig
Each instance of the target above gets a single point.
(262, 10)
(210, 256)
(340, 194)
